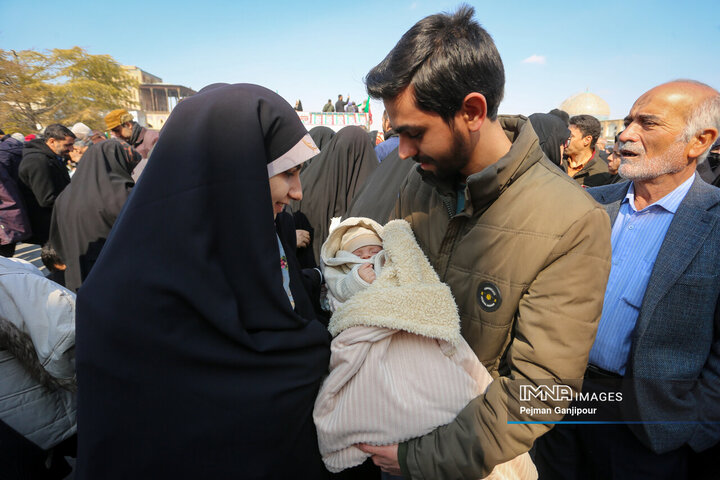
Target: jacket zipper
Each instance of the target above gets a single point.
(451, 237)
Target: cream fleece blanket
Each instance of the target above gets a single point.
(399, 367)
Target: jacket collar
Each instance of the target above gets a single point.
(611, 196)
(39, 145)
(586, 168)
(484, 187)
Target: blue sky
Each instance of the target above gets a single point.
(315, 50)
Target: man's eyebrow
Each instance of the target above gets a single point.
(646, 117)
(405, 128)
(642, 118)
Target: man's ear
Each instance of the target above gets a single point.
(474, 110)
(702, 142)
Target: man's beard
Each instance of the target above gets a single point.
(449, 165)
(643, 167)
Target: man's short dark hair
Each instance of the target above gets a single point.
(561, 114)
(444, 57)
(339, 96)
(58, 132)
(588, 125)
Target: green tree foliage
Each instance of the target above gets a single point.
(60, 86)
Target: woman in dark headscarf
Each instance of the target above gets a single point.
(552, 133)
(86, 210)
(322, 136)
(332, 179)
(376, 199)
(198, 351)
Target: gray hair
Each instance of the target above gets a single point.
(706, 114)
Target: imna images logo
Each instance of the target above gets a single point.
(557, 393)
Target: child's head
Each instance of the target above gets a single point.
(51, 259)
(361, 241)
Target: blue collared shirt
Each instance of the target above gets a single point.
(636, 240)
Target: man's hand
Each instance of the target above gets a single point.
(384, 457)
(303, 238)
(366, 272)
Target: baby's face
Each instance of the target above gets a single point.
(367, 251)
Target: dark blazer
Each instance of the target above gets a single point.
(674, 365)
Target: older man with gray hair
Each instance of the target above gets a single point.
(658, 342)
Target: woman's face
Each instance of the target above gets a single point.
(284, 187)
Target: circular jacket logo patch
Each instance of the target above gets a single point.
(488, 296)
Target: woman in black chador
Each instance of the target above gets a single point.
(198, 351)
(85, 211)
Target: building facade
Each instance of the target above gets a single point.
(154, 100)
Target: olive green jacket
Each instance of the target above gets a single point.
(594, 174)
(527, 261)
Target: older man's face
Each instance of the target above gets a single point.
(651, 144)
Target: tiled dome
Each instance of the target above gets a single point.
(587, 103)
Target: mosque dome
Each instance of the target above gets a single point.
(587, 103)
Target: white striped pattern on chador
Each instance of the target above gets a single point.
(399, 367)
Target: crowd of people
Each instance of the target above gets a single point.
(344, 106)
(478, 296)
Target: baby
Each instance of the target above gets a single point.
(357, 262)
(399, 367)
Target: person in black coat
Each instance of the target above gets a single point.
(43, 175)
(85, 211)
(198, 349)
(553, 135)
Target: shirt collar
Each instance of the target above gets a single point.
(669, 202)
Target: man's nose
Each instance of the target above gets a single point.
(627, 135)
(407, 148)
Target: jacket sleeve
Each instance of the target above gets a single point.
(555, 327)
(44, 185)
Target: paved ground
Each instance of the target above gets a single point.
(31, 253)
